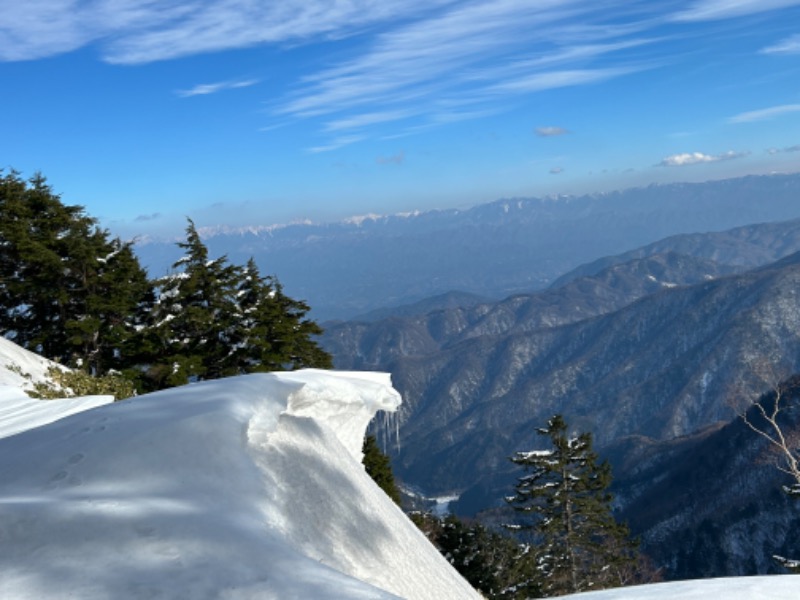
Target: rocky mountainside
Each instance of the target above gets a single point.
(495, 250)
(661, 367)
(656, 383)
(373, 344)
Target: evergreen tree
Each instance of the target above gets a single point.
(489, 561)
(67, 290)
(379, 467)
(73, 294)
(578, 544)
(274, 333)
(192, 332)
(213, 319)
(486, 559)
(290, 333)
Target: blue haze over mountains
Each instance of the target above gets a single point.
(493, 250)
(644, 316)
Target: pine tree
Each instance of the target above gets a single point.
(192, 333)
(484, 558)
(273, 333)
(213, 319)
(578, 545)
(290, 333)
(491, 562)
(379, 467)
(66, 288)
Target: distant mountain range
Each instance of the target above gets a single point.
(492, 250)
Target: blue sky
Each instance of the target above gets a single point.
(246, 112)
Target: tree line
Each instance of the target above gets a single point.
(561, 536)
(72, 293)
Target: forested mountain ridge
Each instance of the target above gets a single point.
(661, 367)
(498, 249)
(367, 345)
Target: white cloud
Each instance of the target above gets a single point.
(213, 88)
(694, 158)
(709, 10)
(764, 113)
(790, 45)
(556, 170)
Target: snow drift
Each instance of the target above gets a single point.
(249, 487)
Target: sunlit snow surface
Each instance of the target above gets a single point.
(771, 587)
(244, 488)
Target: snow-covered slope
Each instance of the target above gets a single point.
(249, 487)
(17, 410)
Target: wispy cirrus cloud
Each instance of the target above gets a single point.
(764, 113)
(790, 45)
(709, 10)
(411, 65)
(141, 31)
(336, 143)
(696, 158)
(204, 89)
(471, 56)
(539, 82)
(366, 119)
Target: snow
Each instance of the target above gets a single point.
(238, 489)
(18, 411)
(441, 507)
(769, 587)
(242, 488)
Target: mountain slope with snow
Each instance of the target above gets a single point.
(249, 487)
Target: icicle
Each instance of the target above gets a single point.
(387, 424)
(396, 418)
